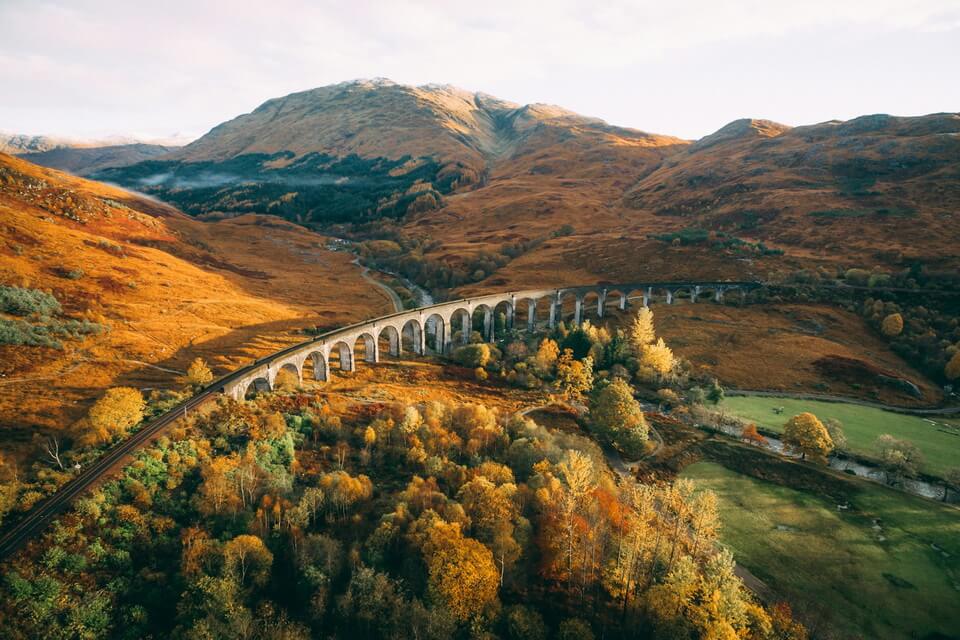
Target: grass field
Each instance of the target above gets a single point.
(888, 567)
(938, 439)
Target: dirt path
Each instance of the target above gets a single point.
(394, 298)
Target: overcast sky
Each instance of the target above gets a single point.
(681, 67)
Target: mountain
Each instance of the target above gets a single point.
(364, 150)
(85, 160)
(141, 289)
(477, 181)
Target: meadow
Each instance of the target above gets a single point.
(938, 439)
(887, 566)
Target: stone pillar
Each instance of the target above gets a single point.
(447, 338)
(531, 315)
(647, 295)
(508, 324)
(623, 302)
(320, 368)
(601, 303)
(718, 294)
(467, 327)
(578, 311)
(695, 294)
(422, 340)
(346, 354)
(395, 343)
(488, 325)
(553, 314)
(374, 353)
(669, 296)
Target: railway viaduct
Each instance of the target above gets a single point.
(435, 328)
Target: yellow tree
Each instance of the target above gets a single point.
(198, 374)
(657, 357)
(574, 377)
(641, 332)
(462, 574)
(113, 415)
(546, 357)
(805, 434)
(892, 325)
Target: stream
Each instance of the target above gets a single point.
(852, 467)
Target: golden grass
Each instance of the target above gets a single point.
(169, 287)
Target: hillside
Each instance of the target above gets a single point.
(86, 160)
(876, 189)
(147, 289)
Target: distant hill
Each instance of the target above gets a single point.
(86, 160)
(472, 175)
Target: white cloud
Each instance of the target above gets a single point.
(99, 66)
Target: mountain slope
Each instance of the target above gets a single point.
(163, 287)
(86, 160)
(873, 185)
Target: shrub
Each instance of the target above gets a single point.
(25, 302)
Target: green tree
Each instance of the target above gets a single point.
(805, 434)
(619, 418)
(472, 355)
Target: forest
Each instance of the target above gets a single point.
(301, 513)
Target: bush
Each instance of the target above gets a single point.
(472, 355)
(25, 302)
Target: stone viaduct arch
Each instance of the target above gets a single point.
(442, 321)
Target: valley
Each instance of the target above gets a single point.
(398, 451)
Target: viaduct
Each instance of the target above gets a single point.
(434, 329)
(423, 330)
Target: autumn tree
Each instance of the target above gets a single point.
(343, 490)
(619, 418)
(892, 325)
(952, 370)
(546, 357)
(657, 358)
(805, 434)
(574, 377)
(750, 435)
(462, 575)
(220, 489)
(115, 413)
(246, 557)
(641, 333)
(901, 458)
(492, 513)
(198, 374)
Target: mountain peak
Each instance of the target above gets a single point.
(744, 128)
